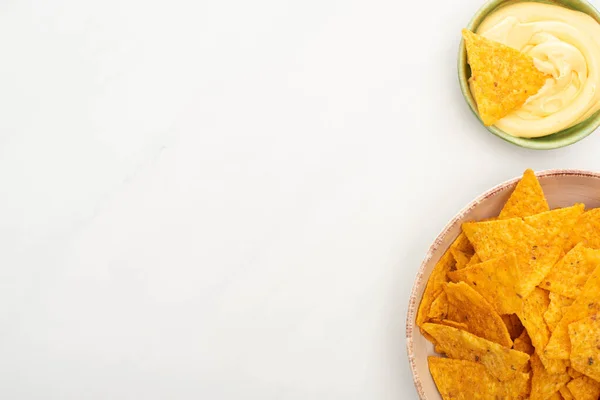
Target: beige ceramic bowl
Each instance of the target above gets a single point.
(561, 187)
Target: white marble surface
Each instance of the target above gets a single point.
(229, 199)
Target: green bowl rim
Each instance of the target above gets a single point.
(563, 138)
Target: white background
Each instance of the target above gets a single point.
(229, 199)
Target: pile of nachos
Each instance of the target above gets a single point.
(513, 306)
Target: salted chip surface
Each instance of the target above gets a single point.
(497, 280)
(499, 361)
(586, 231)
(536, 240)
(532, 317)
(584, 388)
(587, 304)
(543, 383)
(470, 308)
(556, 309)
(527, 198)
(568, 276)
(502, 78)
(584, 336)
(467, 380)
(434, 286)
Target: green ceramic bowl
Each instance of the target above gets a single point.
(560, 139)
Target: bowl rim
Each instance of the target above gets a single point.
(578, 132)
(414, 301)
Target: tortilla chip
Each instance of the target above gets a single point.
(584, 336)
(474, 260)
(497, 280)
(574, 374)
(527, 198)
(586, 231)
(466, 380)
(462, 244)
(587, 304)
(556, 224)
(499, 361)
(569, 275)
(543, 383)
(462, 258)
(439, 307)
(556, 309)
(566, 393)
(556, 396)
(537, 241)
(584, 388)
(469, 307)
(434, 286)
(502, 78)
(532, 317)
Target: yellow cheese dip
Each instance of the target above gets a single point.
(565, 44)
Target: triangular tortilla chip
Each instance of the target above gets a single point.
(499, 361)
(527, 198)
(586, 231)
(557, 308)
(469, 307)
(502, 78)
(532, 317)
(466, 380)
(569, 275)
(434, 286)
(537, 241)
(497, 280)
(462, 258)
(584, 336)
(587, 304)
(543, 383)
(584, 388)
(439, 307)
(474, 260)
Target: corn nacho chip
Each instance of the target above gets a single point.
(474, 260)
(537, 241)
(584, 336)
(556, 309)
(587, 304)
(568, 276)
(527, 198)
(543, 383)
(448, 322)
(439, 307)
(462, 244)
(462, 258)
(532, 317)
(586, 230)
(469, 307)
(497, 280)
(502, 78)
(584, 388)
(566, 393)
(466, 380)
(574, 374)
(458, 344)
(434, 286)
